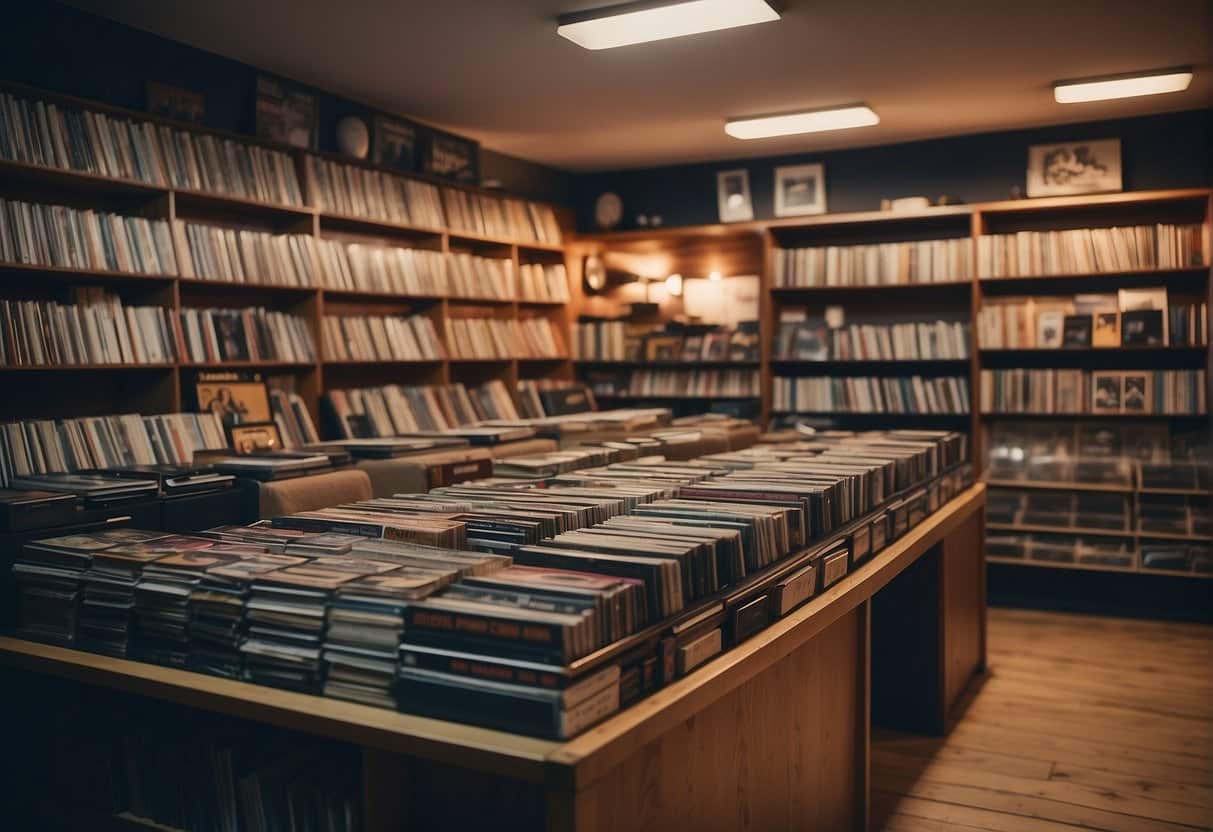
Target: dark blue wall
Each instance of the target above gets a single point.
(55, 47)
(1166, 151)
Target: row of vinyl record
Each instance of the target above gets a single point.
(1131, 317)
(356, 191)
(396, 410)
(1179, 392)
(55, 235)
(372, 602)
(37, 133)
(698, 383)
(1130, 456)
(1088, 250)
(1162, 555)
(546, 397)
(374, 338)
(543, 282)
(492, 216)
(46, 446)
(882, 264)
(620, 341)
(95, 329)
(250, 334)
(867, 394)
(813, 340)
(495, 338)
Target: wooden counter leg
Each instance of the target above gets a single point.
(863, 721)
(787, 750)
(962, 602)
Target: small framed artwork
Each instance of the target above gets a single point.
(393, 143)
(800, 190)
(451, 157)
(235, 401)
(1105, 393)
(733, 196)
(286, 113)
(663, 348)
(1137, 394)
(176, 103)
(247, 439)
(1074, 168)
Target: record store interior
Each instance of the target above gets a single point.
(606, 415)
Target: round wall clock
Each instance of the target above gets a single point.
(608, 210)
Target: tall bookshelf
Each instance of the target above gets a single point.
(56, 391)
(962, 300)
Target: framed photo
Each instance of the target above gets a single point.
(733, 196)
(451, 157)
(176, 103)
(800, 190)
(394, 143)
(236, 401)
(1074, 168)
(247, 439)
(1137, 393)
(663, 348)
(286, 113)
(1105, 393)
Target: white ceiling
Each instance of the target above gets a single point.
(496, 70)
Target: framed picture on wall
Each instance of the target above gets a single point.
(800, 190)
(286, 113)
(393, 142)
(1074, 168)
(733, 196)
(451, 157)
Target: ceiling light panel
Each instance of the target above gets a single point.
(644, 22)
(1122, 86)
(812, 121)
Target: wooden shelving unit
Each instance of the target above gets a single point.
(748, 248)
(157, 388)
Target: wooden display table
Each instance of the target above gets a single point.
(773, 734)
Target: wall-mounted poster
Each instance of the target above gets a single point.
(286, 113)
(451, 157)
(1074, 168)
(394, 143)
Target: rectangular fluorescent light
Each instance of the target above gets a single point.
(647, 21)
(812, 121)
(1122, 86)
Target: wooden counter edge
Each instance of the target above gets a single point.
(495, 752)
(594, 753)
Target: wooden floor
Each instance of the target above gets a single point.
(1082, 723)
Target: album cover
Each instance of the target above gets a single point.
(1076, 331)
(1105, 392)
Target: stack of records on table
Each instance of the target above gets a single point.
(216, 610)
(286, 617)
(274, 465)
(495, 650)
(48, 575)
(96, 491)
(392, 447)
(365, 623)
(108, 602)
(163, 592)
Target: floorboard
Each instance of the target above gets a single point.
(1084, 723)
